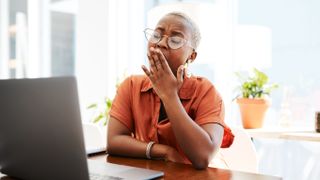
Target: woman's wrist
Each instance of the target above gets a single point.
(170, 98)
(159, 151)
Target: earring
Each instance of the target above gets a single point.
(186, 66)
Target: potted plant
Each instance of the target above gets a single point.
(253, 98)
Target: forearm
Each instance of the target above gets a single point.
(194, 141)
(125, 145)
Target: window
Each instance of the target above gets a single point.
(295, 54)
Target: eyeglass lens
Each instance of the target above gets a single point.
(174, 42)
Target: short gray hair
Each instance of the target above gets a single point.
(196, 36)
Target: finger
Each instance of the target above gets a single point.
(151, 62)
(180, 73)
(156, 62)
(149, 56)
(155, 56)
(158, 59)
(163, 61)
(151, 72)
(146, 71)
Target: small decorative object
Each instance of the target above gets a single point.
(317, 121)
(252, 98)
(285, 114)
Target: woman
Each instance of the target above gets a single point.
(166, 114)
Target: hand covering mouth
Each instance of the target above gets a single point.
(164, 54)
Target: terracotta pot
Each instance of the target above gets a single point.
(253, 111)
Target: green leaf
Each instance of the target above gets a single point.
(98, 118)
(255, 86)
(109, 103)
(92, 106)
(102, 110)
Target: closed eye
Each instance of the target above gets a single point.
(176, 40)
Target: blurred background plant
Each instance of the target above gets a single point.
(254, 86)
(102, 109)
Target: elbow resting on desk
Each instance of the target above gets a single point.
(201, 164)
(204, 158)
(202, 151)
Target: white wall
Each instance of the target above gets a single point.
(109, 43)
(91, 51)
(38, 48)
(4, 40)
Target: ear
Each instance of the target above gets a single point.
(193, 56)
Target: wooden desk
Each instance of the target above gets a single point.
(289, 134)
(177, 171)
(182, 171)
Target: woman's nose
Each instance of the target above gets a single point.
(163, 42)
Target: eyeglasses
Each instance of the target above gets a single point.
(174, 42)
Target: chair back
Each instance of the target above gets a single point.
(240, 156)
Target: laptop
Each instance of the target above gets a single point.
(94, 138)
(41, 135)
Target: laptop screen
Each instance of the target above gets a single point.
(41, 135)
(40, 129)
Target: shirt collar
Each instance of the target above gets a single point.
(186, 91)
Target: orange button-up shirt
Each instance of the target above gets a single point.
(137, 106)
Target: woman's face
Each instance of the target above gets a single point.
(169, 26)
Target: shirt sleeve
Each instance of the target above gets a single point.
(211, 110)
(121, 105)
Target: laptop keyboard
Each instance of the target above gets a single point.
(103, 177)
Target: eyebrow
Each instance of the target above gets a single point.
(177, 33)
(174, 32)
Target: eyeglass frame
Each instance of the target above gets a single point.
(185, 41)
